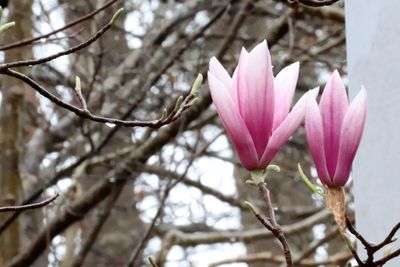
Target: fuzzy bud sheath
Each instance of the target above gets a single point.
(335, 202)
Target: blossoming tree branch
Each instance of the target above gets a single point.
(254, 108)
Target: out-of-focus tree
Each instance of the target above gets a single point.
(119, 203)
(17, 122)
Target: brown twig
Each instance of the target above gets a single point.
(366, 244)
(268, 257)
(354, 231)
(389, 238)
(69, 25)
(274, 226)
(84, 113)
(153, 264)
(29, 206)
(71, 50)
(71, 214)
(312, 3)
(373, 248)
(387, 258)
(140, 246)
(354, 253)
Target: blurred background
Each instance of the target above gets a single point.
(119, 201)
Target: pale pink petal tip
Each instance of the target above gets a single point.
(314, 92)
(284, 87)
(216, 68)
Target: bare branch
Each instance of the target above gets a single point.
(69, 25)
(29, 206)
(312, 3)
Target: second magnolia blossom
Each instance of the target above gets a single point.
(254, 105)
(334, 131)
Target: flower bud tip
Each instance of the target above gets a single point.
(178, 103)
(116, 15)
(196, 85)
(78, 87)
(6, 26)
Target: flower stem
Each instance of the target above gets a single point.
(275, 227)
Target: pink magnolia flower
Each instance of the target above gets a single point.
(254, 106)
(334, 131)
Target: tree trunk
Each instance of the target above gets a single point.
(16, 98)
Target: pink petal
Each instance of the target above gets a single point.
(333, 106)
(350, 137)
(287, 127)
(220, 73)
(255, 94)
(233, 123)
(284, 86)
(315, 139)
(239, 82)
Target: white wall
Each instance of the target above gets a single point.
(373, 53)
